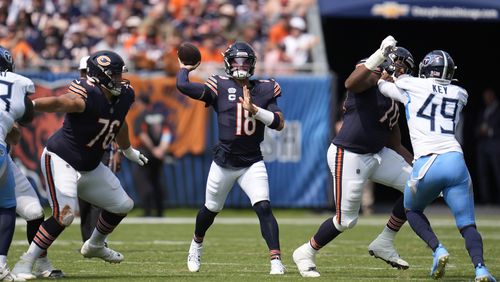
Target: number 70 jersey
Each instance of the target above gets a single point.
(432, 111)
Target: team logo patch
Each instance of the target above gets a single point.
(231, 90)
(103, 60)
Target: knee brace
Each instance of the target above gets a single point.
(66, 217)
(346, 222)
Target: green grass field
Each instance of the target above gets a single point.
(235, 251)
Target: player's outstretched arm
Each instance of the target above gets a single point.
(359, 80)
(123, 140)
(394, 143)
(190, 89)
(67, 103)
(272, 119)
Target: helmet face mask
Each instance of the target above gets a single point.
(437, 64)
(6, 61)
(401, 61)
(105, 68)
(239, 60)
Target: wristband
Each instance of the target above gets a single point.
(264, 115)
(374, 60)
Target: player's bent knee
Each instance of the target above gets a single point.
(30, 212)
(345, 223)
(213, 206)
(262, 208)
(66, 217)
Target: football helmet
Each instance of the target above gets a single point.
(6, 61)
(401, 59)
(239, 60)
(437, 64)
(105, 68)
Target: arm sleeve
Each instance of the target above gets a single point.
(390, 90)
(193, 90)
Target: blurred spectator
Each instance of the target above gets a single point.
(148, 49)
(21, 51)
(488, 149)
(110, 42)
(299, 43)
(276, 61)
(209, 50)
(56, 58)
(279, 30)
(155, 137)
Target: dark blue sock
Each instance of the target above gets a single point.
(32, 228)
(7, 225)
(325, 234)
(420, 224)
(473, 243)
(204, 220)
(268, 225)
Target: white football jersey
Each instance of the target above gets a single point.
(13, 89)
(432, 111)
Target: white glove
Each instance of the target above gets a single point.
(381, 54)
(135, 156)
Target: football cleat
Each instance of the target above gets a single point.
(383, 249)
(277, 267)
(305, 257)
(439, 262)
(194, 256)
(92, 251)
(23, 268)
(483, 275)
(6, 275)
(43, 269)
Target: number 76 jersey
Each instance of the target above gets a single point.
(432, 111)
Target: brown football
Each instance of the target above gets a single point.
(189, 54)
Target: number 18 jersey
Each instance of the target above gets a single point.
(432, 111)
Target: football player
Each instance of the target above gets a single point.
(244, 108)
(439, 164)
(71, 162)
(15, 106)
(368, 146)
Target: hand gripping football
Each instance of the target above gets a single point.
(188, 54)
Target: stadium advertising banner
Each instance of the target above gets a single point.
(295, 157)
(479, 10)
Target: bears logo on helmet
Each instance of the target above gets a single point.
(105, 68)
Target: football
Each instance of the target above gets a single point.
(189, 54)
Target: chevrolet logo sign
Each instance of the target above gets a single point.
(390, 10)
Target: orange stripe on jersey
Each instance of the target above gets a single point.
(78, 86)
(52, 188)
(212, 83)
(213, 89)
(277, 89)
(78, 92)
(339, 163)
(213, 80)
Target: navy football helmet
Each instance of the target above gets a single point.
(105, 68)
(401, 59)
(6, 61)
(239, 60)
(437, 64)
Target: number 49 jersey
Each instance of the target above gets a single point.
(240, 134)
(432, 112)
(83, 138)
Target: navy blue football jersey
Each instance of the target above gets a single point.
(84, 137)
(240, 134)
(368, 119)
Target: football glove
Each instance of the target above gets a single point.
(135, 156)
(381, 54)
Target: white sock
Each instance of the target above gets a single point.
(310, 249)
(3, 260)
(388, 234)
(33, 252)
(97, 238)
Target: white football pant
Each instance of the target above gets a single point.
(28, 205)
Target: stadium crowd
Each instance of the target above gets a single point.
(54, 35)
